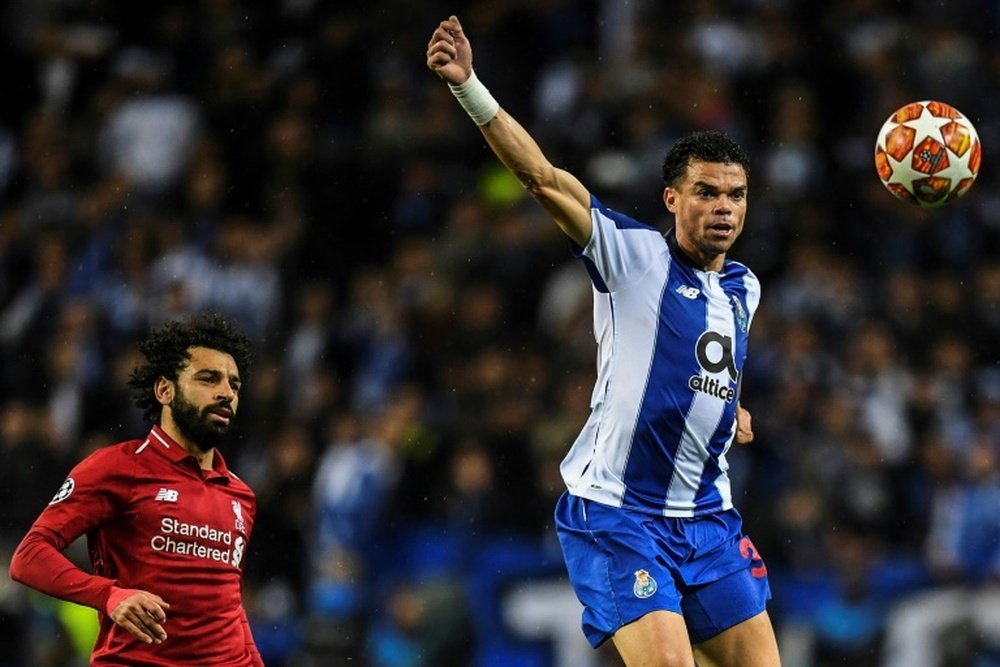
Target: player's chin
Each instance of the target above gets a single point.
(221, 428)
(217, 428)
(719, 246)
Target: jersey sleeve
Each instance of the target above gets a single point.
(90, 496)
(753, 292)
(621, 250)
(39, 564)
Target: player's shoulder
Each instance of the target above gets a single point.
(734, 269)
(241, 490)
(114, 460)
(621, 221)
(114, 452)
(235, 480)
(238, 483)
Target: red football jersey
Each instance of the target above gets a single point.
(154, 521)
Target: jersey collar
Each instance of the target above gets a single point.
(677, 251)
(169, 448)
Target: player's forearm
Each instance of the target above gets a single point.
(38, 563)
(518, 151)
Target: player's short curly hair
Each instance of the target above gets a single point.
(166, 353)
(708, 146)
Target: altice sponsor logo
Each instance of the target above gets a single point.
(714, 352)
(712, 387)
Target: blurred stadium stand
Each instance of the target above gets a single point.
(425, 355)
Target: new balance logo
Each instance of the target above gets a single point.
(167, 495)
(688, 292)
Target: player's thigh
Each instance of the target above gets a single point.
(748, 644)
(658, 639)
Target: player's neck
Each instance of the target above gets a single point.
(205, 458)
(692, 254)
(700, 259)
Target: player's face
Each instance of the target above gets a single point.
(709, 206)
(207, 396)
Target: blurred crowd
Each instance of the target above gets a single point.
(424, 350)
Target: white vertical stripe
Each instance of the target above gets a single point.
(722, 483)
(635, 347)
(595, 465)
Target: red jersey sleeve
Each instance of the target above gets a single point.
(90, 496)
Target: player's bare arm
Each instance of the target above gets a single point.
(449, 55)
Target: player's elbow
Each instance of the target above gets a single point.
(25, 560)
(18, 562)
(539, 180)
(534, 175)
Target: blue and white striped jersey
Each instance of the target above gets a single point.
(671, 342)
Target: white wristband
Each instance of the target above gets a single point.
(475, 98)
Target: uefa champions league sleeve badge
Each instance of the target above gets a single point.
(64, 492)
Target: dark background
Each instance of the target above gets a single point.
(424, 347)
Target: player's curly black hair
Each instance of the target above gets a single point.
(708, 146)
(166, 353)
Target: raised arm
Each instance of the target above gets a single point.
(449, 54)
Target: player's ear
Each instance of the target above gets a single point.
(670, 199)
(164, 389)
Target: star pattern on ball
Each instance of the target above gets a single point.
(928, 158)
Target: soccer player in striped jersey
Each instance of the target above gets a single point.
(167, 523)
(652, 542)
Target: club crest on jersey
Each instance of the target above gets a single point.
(64, 492)
(644, 585)
(741, 314)
(238, 511)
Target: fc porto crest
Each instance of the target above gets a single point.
(644, 585)
(741, 313)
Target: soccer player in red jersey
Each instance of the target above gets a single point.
(167, 523)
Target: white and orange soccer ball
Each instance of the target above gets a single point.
(928, 153)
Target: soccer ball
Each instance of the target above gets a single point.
(928, 153)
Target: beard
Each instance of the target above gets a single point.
(197, 424)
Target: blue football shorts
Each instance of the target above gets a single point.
(624, 564)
